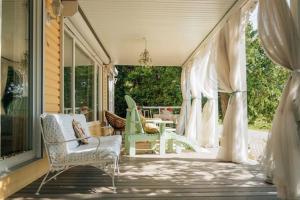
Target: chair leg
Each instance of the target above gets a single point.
(127, 144)
(170, 145)
(113, 183)
(42, 183)
(132, 148)
(113, 175)
(118, 167)
(53, 177)
(162, 146)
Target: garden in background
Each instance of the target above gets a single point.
(160, 86)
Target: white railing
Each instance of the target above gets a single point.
(150, 111)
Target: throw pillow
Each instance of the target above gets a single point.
(150, 128)
(79, 132)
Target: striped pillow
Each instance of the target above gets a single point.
(79, 132)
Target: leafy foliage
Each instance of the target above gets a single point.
(149, 86)
(161, 85)
(265, 82)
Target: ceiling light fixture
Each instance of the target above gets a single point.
(145, 59)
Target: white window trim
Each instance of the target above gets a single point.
(100, 93)
(7, 165)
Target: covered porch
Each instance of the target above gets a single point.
(207, 40)
(173, 176)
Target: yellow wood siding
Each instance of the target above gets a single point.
(22, 177)
(52, 76)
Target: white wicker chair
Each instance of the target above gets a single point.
(64, 152)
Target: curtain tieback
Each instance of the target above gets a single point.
(237, 91)
(211, 98)
(197, 98)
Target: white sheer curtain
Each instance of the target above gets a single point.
(280, 38)
(193, 129)
(186, 103)
(209, 135)
(231, 70)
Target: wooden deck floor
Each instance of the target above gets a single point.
(153, 177)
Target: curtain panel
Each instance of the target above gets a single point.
(186, 96)
(209, 135)
(280, 37)
(193, 129)
(202, 126)
(231, 70)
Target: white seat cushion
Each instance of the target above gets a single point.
(110, 146)
(111, 143)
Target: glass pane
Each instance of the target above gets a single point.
(68, 57)
(107, 94)
(15, 134)
(97, 94)
(84, 84)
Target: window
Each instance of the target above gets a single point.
(84, 84)
(110, 92)
(98, 103)
(81, 80)
(68, 63)
(19, 141)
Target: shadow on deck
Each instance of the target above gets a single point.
(154, 177)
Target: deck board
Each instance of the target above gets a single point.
(158, 178)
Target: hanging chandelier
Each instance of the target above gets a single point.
(145, 59)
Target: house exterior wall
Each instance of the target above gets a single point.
(52, 68)
(52, 96)
(27, 174)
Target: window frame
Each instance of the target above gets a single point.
(76, 41)
(35, 82)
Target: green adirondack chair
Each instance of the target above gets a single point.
(134, 132)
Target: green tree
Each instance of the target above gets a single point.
(265, 82)
(149, 86)
(161, 85)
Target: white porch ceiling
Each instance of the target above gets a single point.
(173, 28)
